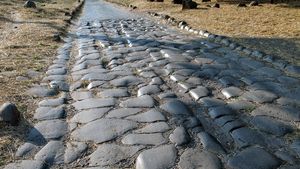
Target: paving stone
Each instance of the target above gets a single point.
(259, 96)
(26, 164)
(175, 107)
(271, 125)
(126, 81)
(230, 81)
(232, 91)
(157, 158)
(52, 102)
(295, 146)
(149, 116)
(94, 103)
(195, 158)
(203, 60)
(95, 84)
(156, 81)
(285, 156)
(282, 112)
(211, 102)
(42, 91)
(167, 95)
(89, 115)
(52, 153)
(114, 93)
(148, 74)
(49, 113)
(241, 105)
(221, 121)
(208, 73)
(177, 78)
(232, 125)
(199, 92)
(186, 86)
(57, 71)
(148, 90)
(158, 127)
(219, 111)
(253, 157)
(73, 151)
(98, 77)
(123, 112)
(245, 136)
(26, 149)
(50, 129)
(81, 95)
(75, 86)
(54, 78)
(144, 139)
(109, 154)
(209, 143)
(179, 136)
(138, 102)
(108, 129)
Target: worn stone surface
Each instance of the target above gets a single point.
(157, 158)
(144, 139)
(108, 129)
(48, 113)
(253, 157)
(142, 101)
(195, 158)
(94, 103)
(89, 115)
(175, 107)
(52, 153)
(26, 164)
(108, 154)
(210, 143)
(73, 151)
(157, 127)
(148, 90)
(179, 136)
(199, 92)
(149, 116)
(123, 112)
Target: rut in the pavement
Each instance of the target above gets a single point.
(148, 97)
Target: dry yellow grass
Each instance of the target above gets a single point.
(26, 43)
(274, 29)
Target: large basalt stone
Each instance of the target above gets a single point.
(30, 4)
(189, 4)
(9, 113)
(177, 1)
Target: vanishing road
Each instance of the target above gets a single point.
(127, 92)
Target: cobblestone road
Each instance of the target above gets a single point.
(131, 93)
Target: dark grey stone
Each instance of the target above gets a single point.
(109, 154)
(199, 92)
(49, 113)
(216, 112)
(10, 113)
(148, 90)
(42, 91)
(195, 158)
(158, 127)
(175, 107)
(50, 129)
(211, 144)
(253, 157)
(149, 116)
(26, 164)
(259, 96)
(107, 129)
(26, 149)
(142, 101)
(126, 81)
(98, 77)
(281, 112)
(123, 112)
(179, 136)
(157, 158)
(211, 102)
(73, 151)
(94, 103)
(144, 139)
(271, 125)
(52, 153)
(245, 136)
(52, 102)
(232, 91)
(89, 115)
(224, 119)
(81, 95)
(232, 125)
(114, 93)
